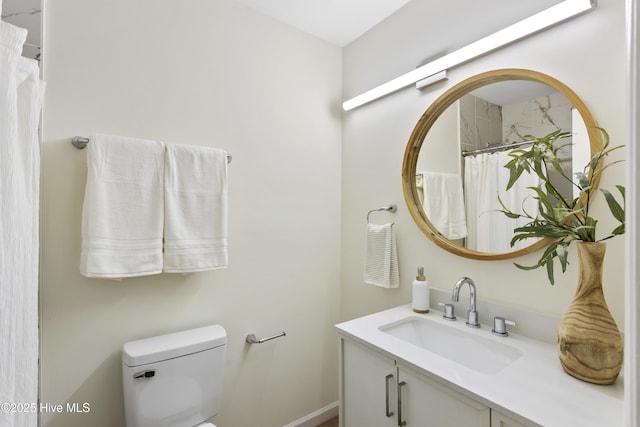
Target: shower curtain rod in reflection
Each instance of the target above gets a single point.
(466, 153)
(80, 142)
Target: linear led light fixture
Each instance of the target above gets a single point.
(548, 17)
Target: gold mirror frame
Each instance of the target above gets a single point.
(433, 113)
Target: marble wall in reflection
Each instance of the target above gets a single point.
(484, 124)
(537, 117)
(480, 123)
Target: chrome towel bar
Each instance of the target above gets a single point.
(251, 338)
(80, 142)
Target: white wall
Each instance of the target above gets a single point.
(211, 73)
(587, 53)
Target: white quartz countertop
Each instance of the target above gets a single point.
(534, 386)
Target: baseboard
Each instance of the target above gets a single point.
(316, 417)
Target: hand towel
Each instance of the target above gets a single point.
(381, 259)
(195, 230)
(443, 203)
(122, 214)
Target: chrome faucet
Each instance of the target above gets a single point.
(472, 314)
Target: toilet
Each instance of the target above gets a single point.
(174, 380)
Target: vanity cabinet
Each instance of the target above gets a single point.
(377, 390)
(390, 374)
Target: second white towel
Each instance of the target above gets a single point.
(195, 209)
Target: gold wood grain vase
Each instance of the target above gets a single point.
(589, 342)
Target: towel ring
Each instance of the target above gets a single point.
(388, 208)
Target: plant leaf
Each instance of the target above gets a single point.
(559, 249)
(526, 267)
(616, 210)
(507, 211)
(550, 272)
(583, 181)
(622, 191)
(618, 230)
(563, 252)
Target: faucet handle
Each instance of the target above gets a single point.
(448, 311)
(472, 319)
(500, 326)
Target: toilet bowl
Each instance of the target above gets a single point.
(174, 380)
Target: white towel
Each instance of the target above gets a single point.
(195, 231)
(381, 259)
(443, 203)
(122, 214)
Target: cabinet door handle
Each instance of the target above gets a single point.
(401, 422)
(386, 391)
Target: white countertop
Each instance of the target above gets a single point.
(534, 386)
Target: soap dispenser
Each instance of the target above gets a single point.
(420, 290)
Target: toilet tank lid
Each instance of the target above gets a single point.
(169, 346)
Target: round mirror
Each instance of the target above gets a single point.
(453, 173)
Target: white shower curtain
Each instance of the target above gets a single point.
(485, 177)
(20, 104)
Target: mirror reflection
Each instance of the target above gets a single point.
(459, 187)
(459, 168)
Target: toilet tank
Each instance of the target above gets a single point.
(174, 380)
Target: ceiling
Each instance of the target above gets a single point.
(336, 21)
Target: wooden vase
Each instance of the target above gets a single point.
(589, 342)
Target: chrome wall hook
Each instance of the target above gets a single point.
(80, 142)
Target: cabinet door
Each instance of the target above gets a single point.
(368, 388)
(499, 419)
(424, 402)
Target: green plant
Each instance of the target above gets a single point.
(560, 218)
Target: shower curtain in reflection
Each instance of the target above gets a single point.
(20, 104)
(485, 177)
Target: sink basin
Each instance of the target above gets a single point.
(485, 355)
